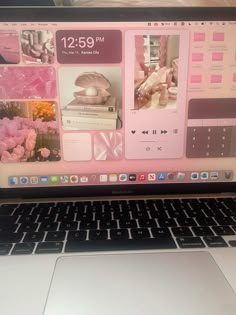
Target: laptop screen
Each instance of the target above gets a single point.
(116, 99)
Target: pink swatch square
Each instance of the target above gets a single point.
(196, 78)
(217, 56)
(216, 78)
(218, 36)
(199, 37)
(234, 77)
(197, 57)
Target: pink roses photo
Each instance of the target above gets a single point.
(28, 132)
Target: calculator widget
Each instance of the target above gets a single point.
(211, 131)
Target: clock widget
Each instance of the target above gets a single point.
(89, 46)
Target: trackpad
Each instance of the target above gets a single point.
(140, 284)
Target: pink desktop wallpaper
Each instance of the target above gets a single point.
(121, 98)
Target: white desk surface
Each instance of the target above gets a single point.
(25, 280)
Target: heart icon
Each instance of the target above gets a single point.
(133, 131)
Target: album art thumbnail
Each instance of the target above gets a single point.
(156, 71)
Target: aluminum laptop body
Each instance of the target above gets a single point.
(117, 138)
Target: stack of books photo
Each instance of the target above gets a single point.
(91, 116)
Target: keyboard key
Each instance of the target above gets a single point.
(57, 209)
(176, 214)
(195, 213)
(145, 223)
(121, 244)
(7, 209)
(209, 212)
(215, 241)
(23, 249)
(104, 224)
(225, 220)
(66, 217)
(7, 237)
(190, 242)
(8, 227)
(34, 237)
(223, 230)
(122, 215)
(140, 215)
(49, 247)
(48, 218)
(5, 249)
(202, 231)
(68, 226)
(77, 236)
(103, 216)
(41, 210)
(128, 224)
(161, 233)
(232, 243)
(88, 225)
(98, 235)
(204, 221)
(167, 222)
(140, 233)
(47, 226)
(7, 220)
(228, 212)
(157, 214)
(230, 203)
(55, 236)
(182, 231)
(119, 234)
(84, 216)
(186, 222)
(27, 219)
(28, 227)
(22, 210)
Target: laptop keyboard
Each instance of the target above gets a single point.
(67, 227)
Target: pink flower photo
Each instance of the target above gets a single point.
(29, 132)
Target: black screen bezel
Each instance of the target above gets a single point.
(82, 14)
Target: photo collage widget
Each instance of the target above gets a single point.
(37, 123)
(29, 128)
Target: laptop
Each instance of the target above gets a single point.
(117, 135)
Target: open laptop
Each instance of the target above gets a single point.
(117, 133)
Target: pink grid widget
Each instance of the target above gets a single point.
(27, 83)
(234, 77)
(196, 78)
(216, 78)
(218, 36)
(199, 37)
(197, 57)
(217, 56)
(108, 146)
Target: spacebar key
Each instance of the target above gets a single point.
(49, 247)
(130, 244)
